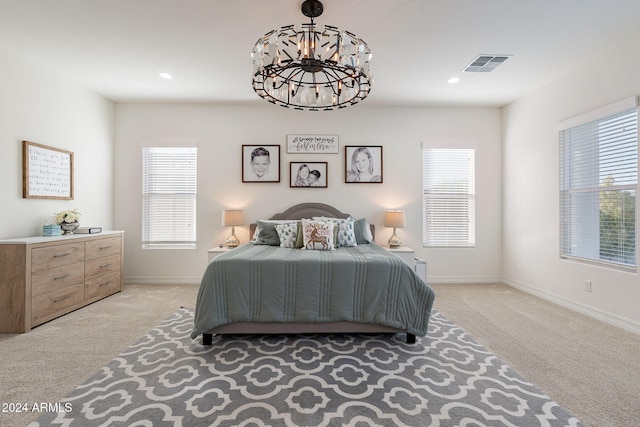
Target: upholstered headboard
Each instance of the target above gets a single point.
(308, 210)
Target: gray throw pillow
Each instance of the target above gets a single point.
(362, 231)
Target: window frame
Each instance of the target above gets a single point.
(451, 159)
(174, 189)
(583, 165)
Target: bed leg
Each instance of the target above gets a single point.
(411, 338)
(207, 339)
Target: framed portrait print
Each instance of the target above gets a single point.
(308, 174)
(363, 164)
(260, 163)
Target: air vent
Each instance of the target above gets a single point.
(485, 63)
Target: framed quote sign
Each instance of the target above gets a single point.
(312, 144)
(47, 172)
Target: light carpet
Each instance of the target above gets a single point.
(444, 379)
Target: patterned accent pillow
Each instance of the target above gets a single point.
(288, 234)
(318, 235)
(344, 230)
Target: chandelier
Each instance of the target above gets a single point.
(311, 67)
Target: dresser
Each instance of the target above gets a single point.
(42, 278)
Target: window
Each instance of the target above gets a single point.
(169, 197)
(598, 186)
(449, 202)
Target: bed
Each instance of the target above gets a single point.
(332, 284)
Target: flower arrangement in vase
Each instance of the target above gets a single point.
(68, 220)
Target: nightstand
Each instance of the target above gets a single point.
(214, 252)
(407, 254)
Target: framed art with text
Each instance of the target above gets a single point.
(47, 172)
(313, 144)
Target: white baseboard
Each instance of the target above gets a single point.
(462, 279)
(610, 318)
(146, 280)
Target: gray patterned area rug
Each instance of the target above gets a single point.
(444, 379)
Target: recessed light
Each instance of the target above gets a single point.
(166, 76)
(453, 80)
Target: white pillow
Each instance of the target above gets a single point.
(318, 235)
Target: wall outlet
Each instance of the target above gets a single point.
(587, 285)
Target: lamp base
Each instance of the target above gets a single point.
(232, 241)
(394, 241)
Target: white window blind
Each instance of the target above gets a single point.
(598, 186)
(448, 214)
(169, 197)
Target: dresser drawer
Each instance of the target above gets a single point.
(102, 286)
(56, 256)
(99, 266)
(56, 278)
(104, 247)
(49, 304)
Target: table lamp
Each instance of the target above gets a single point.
(231, 218)
(395, 219)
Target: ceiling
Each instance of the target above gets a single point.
(118, 47)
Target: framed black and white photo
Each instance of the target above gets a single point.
(363, 164)
(308, 174)
(260, 163)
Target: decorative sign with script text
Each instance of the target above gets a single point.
(47, 172)
(310, 144)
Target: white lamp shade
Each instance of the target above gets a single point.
(395, 219)
(232, 217)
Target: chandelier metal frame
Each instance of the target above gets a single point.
(311, 67)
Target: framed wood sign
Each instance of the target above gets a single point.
(312, 144)
(47, 172)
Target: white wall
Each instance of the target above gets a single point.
(531, 191)
(39, 106)
(222, 129)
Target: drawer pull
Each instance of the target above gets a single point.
(105, 247)
(62, 277)
(57, 300)
(61, 255)
(105, 265)
(105, 283)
